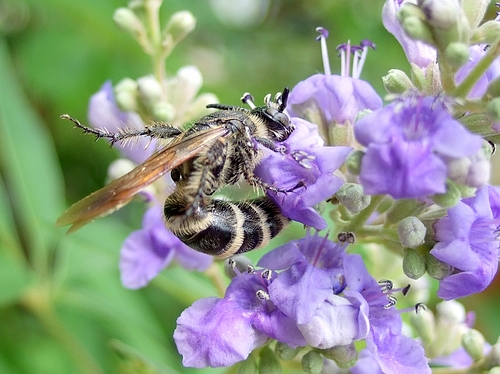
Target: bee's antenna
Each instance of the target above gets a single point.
(284, 99)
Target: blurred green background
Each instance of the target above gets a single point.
(62, 307)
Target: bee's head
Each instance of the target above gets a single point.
(277, 121)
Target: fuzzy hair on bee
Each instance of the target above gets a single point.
(219, 149)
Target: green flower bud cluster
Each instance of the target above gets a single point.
(157, 97)
(140, 20)
(443, 24)
(451, 27)
(447, 331)
(172, 100)
(441, 333)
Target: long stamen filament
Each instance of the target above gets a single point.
(323, 34)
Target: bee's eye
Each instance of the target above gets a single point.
(282, 118)
(277, 116)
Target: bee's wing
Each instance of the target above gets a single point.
(119, 192)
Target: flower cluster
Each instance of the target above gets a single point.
(322, 297)
(410, 176)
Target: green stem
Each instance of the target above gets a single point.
(154, 29)
(378, 231)
(359, 220)
(37, 300)
(214, 273)
(447, 74)
(477, 71)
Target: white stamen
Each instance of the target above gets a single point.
(360, 63)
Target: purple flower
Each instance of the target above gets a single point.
(306, 161)
(104, 113)
(215, 332)
(467, 240)
(338, 99)
(417, 52)
(328, 100)
(308, 289)
(147, 251)
(394, 352)
(409, 146)
(220, 332)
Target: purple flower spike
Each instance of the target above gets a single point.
(467, 240)
(306, 162)
(149, 250)
(409, 145)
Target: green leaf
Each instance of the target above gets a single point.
(9, 242)
(28, 164)
(14, 278)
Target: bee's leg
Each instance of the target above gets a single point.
(258, 182)
(269, 144)
(161, 131)
(206, 176)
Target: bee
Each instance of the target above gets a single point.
(219, 149)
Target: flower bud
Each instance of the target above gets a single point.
(425, 325)
(149, 90)
(198, 107)
(188, 82)
(473, 342)
(403, 208)
(353, 162)
(418, 30)
(127, 20)
(268, 363)
(493, 90)
(285, 352)
(493, 357)
(436, 268)
(474, 11)
(457, 54)
(448, 199)
(411, 232)
(493, 109)
(164, 112)
(126, 95)
(486, 33)
(312, 363)
(429, 81)
(249, 366)
(397, 82)
(441, 14)
(472, 171)
(413, 264)
(351, 196)
(450, 312)
(178, 26)
(119, 168)
(344, 356)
